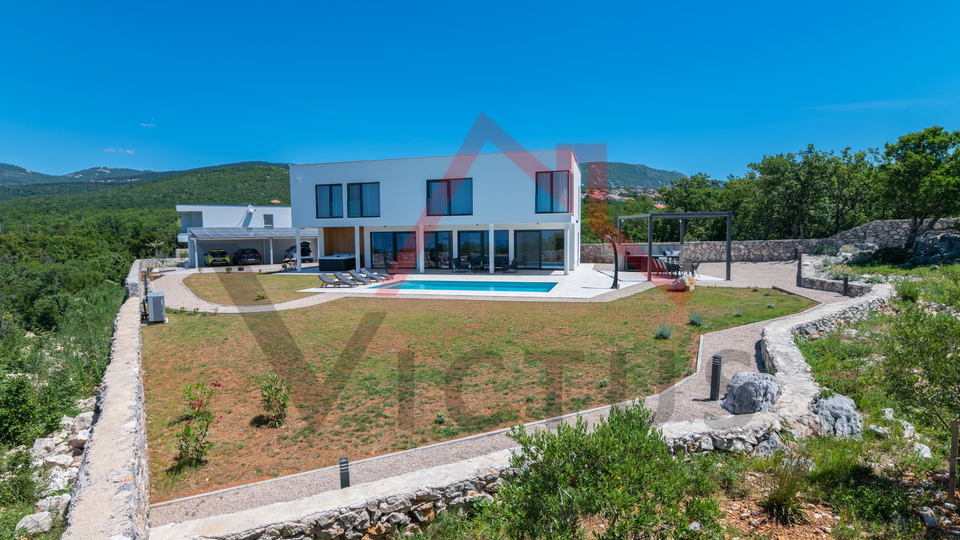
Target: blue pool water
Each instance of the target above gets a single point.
(484, 286)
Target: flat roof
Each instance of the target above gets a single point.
(438, 157)
(251, 232)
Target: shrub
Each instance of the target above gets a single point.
(892, 255)
(847, 248)
(441, 418)
(197, 398)
(771, 305)
(228, 269)
(621, 473)
(192, 443)
(873, 280)
(24, 415)
(274, 399)
(695, 319)
(907, 289)
(825, 250)
(767, 293)
(738, 314)
(838, 271)
(261, 295)
(662, 333)
(788, 478)
(21, 482)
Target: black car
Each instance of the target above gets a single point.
(247, 256)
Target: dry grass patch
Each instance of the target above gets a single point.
(370, 376)
(244, 288)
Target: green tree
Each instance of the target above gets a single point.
(849, 187)
(921, 176)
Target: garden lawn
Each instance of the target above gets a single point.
(373, 375)
(241, 288)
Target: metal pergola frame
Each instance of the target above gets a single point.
(683, 217)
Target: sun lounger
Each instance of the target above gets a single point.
(325, 281)
(341, 277)
(375, 275)
(356, 275)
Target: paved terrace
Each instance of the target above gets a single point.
(685, 401)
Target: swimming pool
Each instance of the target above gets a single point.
(477, 286)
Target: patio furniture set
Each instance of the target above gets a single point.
(482, 264)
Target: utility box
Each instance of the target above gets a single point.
(155, 312)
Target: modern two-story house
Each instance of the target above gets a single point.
(423, 213)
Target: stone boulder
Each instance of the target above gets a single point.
(40, 522)
(771, 446)
(56, 504)
(838, 416)
(750, 392)
(81, 422)
(677, 286)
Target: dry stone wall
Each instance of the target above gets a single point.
(111, 495)
(891, 232)
(369, 511)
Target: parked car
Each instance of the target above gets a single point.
(247, 256)
(306, 254)
(217, 257)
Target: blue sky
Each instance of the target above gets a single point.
(695, 87)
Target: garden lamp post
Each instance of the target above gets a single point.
(616, 262)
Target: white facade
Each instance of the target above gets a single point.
(503, 205)
(212, 215)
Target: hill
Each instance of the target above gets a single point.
(231, 185)
(11, 175)
(625, 175)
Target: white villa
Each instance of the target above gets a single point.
(422, 213)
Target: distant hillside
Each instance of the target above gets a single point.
(102, 173)
(625, 175)
(232, 185)
(11, 175)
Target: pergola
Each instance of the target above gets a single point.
(683, 217)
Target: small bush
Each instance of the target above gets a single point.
(766, 293)
(907, 289)
(771, 305)
(192, 443)
(261, 295)
(873, 280)
(838, 271)
(825, 250)
(738, 314)
(440, 419)
(21, 482)
(788, 479)
(695, 319)
(892, 255)
(274, 399)
(755, 289)
(663, 333)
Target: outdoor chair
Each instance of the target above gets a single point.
(512, 267)
(341, 277)
(325, 281)
(459, 266)
(357, 276)
(687, 267)
(375, 275)
(696, 264)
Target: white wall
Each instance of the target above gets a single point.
(503, 189)
(230, 216)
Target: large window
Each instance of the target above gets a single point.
(553, 191)
(363, 200)
(330, 201)
(451, 197)
(540, 249)
(436, 249)
(475, 244)
(393, 248)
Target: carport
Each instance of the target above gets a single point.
(683, 217)
(270, 242)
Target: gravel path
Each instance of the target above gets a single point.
(739, 348)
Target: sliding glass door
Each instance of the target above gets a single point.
(393, 247)
(475, 244)
(436, 249)
(540, 249)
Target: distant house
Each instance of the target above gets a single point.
(423, 213)
(268, 229)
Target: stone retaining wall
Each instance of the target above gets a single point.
(367, 511)
(742, 433)
(809, 278)
(111, 496)
(891, 232)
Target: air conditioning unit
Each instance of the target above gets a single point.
(155, 312)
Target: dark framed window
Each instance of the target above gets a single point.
(539, 249)
(553, 192)
(363, 200)
(450, 197)
(330, 201)
(393, 248)
(476, 243)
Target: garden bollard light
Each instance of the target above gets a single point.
(846, 281)
(715, 378)
(344, 473)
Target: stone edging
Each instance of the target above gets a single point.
(808, 280)
(741, 433)
(111, 496)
